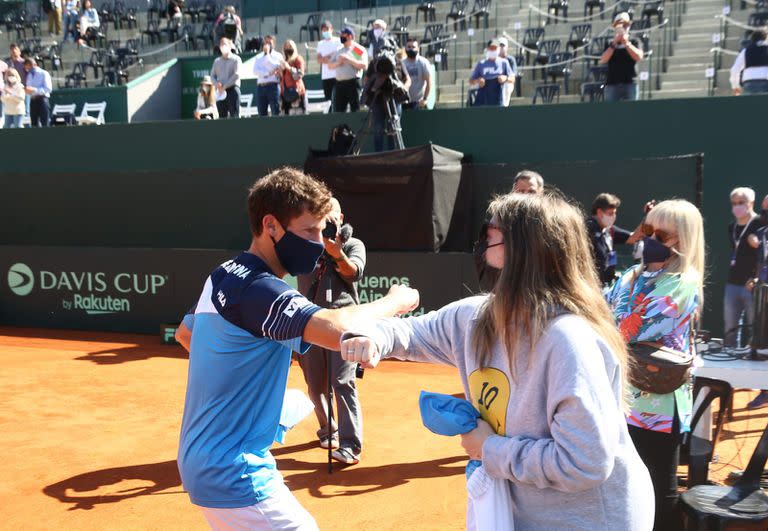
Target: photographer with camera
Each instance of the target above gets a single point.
(336, 275)
(386, 89)
(349, 62)
(229, 25)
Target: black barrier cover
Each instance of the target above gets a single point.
(396, 200)
(137, 290)
(98, 288)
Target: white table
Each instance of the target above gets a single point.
(740, 373)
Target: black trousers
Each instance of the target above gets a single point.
(661, 454)
(328, 86)
(230, 106)
(347, 93)
(40, 112)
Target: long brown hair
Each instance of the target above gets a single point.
(548, 269)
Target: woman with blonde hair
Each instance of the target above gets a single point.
(657, 301)
(541, 359)
(292, 89)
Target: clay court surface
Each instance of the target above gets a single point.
(89, 426)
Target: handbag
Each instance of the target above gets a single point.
(654, 368)
(290, 95)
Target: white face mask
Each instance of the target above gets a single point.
(224, 50)
(12, 80)
(378, 32)
(491, 55)
(739, 211)
(608, 220)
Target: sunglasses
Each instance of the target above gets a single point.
(661, 235)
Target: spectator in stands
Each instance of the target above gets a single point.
(604, 234)
(377, 37)
(206, 101)
(378, 100)
(621, 55)
(175, 12)
(489, 76)
(349, 62)
(340, 268)
(268, 69)
(225, 74)
(326, 48)
(53, 9)
(71, 16)
(749, 73)
(17, 61)
(229, 25)
(421, 77)
(3, 70)
(39, 88)
(528, 182)
(89, 23)
(292, 88)
(13, 99)
(742, 232)
(509, 87)
(658, 301)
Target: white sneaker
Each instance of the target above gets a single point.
(324, 443)
(346, 456)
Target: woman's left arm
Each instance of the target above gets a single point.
(584, 420)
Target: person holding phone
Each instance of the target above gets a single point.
(621, 55)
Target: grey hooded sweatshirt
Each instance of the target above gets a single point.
(562, 437)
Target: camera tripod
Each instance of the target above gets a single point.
(392, 126)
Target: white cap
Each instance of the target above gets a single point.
(503, 41)
(380, 22)
(622, 18)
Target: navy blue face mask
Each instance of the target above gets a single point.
(654, 251)
(297, 255)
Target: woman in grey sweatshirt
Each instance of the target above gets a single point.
(543, 362)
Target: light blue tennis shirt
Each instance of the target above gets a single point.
(246, 324)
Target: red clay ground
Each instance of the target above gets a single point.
(89, 426)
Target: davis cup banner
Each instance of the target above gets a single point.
(138, 290)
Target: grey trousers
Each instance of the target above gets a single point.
(348, 426)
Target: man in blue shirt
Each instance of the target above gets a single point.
(489, 76)
(39, 87)
(247, 323)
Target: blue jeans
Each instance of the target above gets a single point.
(621, 92)
(13, 121)
(755, 86)
(70, 25)
(268, 95)
(737, 307)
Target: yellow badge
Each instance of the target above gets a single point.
(490, 395)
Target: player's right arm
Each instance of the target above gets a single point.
(325, 327)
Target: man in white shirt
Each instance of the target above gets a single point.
(267, 68)
(328, 46)
(749, 73)
(509, 86)
(350, 62)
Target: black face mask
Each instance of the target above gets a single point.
(288, 52)
(764, 217)
(654, 251)
(297, 255)
(343, 39)
(411, 53)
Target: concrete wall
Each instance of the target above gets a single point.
(154, 96)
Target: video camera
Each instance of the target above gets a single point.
(382, 80)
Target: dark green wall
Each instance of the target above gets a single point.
(116, 98)
(254, 8)
(728, 131)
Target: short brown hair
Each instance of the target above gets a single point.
(604, 202)
(286, 193)
(532, 177)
